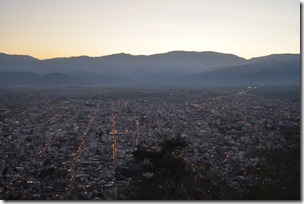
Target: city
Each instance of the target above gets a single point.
(78, 143)
(150, 100)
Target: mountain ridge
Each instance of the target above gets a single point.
(172, 68)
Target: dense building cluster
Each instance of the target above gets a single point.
(69, 143)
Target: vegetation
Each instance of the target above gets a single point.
(172, 178)
(278, 174)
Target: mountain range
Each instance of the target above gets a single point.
(173, 69)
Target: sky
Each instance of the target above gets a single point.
(62, 28)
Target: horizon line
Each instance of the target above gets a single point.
(146, 55)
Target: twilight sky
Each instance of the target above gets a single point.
(63, 28)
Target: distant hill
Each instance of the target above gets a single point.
(177, 68)
(266, 72)
(275, 57)
(7, 57)
(125, 63)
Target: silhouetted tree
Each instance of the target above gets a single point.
(278, 175)
(173, 178)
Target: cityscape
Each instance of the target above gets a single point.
(141, 100)
(79, 143)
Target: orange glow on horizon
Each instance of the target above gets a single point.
(51, 29)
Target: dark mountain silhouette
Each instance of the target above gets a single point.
(4, 56)
(266, 72)
(18, 63)
(177, 68)
(201, 60)
(275, 57)
(124, 63)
